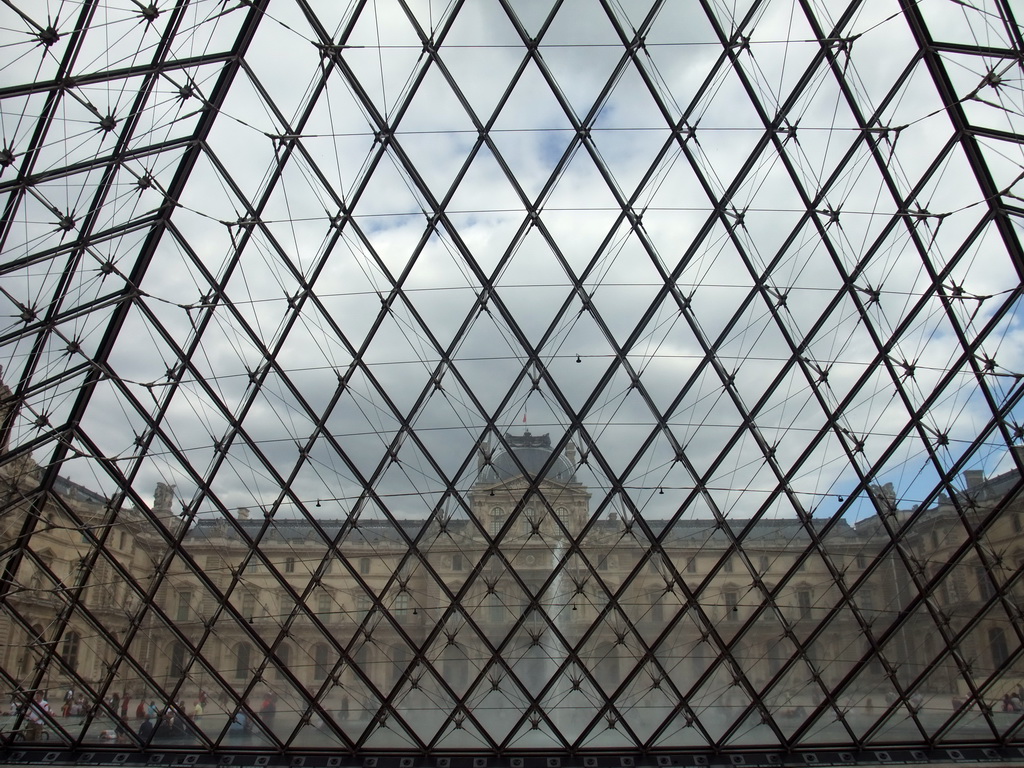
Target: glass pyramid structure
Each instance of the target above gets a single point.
(512, 379)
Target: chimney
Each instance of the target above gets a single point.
(242, 513)
(974, 477)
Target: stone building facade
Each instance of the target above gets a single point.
(521, 596)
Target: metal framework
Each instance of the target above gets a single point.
(325, 273)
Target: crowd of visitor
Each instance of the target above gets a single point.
(166, 720)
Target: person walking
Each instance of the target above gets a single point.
(38, 710)
(145, 729)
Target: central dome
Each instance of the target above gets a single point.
(526, 456)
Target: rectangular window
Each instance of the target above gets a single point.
(563, 514)
(456, 672)
(283, 657)
(248, 605)
(691, 565)
(320, 661)
(401, 606)
(70, 647)
(324, 606)
(727, 565)
(177, 660)
(184, 606)
(457, 562)
(803, 602)
(364, 565)
(949, 591)
(243, 651)
(289, 565)
(496, 611)
(985, 590)
(657, 613)
(867, 599)
(731, 599)
(997, 645)
(399, 661)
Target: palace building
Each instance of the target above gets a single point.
(368, 627)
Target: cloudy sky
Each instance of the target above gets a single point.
(734, 247)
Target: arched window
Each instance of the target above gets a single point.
(497, 520)
(243, 657)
